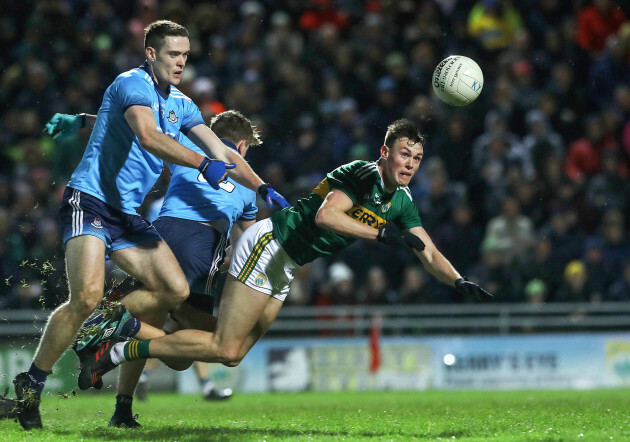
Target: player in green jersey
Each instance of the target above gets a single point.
(368, 200)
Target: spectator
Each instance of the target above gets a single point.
(413, 287)
(511, 232)
(460, 236)
(601, 275)
(435, 204)
(492, 272)
(282, 41)
(609, 188)
(376, 290)
(386, 108)
(541, 264)
(566, 243)
(493, 23)
(322, 12)
(341, 288)
(452, 145)
(540, 142)
(318, 79)
(615, 236)
(536, 292)
(620, 289)
(608, 71)
(575, 286)
(570, 99)
(584, 156)
(597, 22)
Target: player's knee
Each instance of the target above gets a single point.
(232, 364)
(178, 365)
(84, 306)
(231, 357)
(178, 291)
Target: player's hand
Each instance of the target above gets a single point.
(214, 171)
(469, 288)
(63, 124)
(392, 235)
(271, 196)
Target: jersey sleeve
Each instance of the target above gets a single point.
(250, 210)
(347, 179)
(409, 215)
(192, 117)
(133, 91)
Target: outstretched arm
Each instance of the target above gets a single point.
(63, 124)
(212, 146)
(433, 261)
(243, 174)
(440, 267)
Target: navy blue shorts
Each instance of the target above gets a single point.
(199, 249)
(82, 214)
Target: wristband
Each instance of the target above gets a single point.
(82, 116)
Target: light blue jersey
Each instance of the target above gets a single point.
(115, 168)
(190, 197)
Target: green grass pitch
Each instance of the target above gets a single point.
(435, 415)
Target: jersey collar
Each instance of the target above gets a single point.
(145, 67)
(229, 144)
(381, 183)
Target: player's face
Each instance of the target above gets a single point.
(168, 63)
(401, 162)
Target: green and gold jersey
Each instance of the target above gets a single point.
(295, 228)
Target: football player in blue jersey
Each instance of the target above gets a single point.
(137, 128)
(196, 222)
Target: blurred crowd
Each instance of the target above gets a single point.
(525, 190)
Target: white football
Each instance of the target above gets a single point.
(457, 80)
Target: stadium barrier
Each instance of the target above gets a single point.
(416, 347)
(418, 319)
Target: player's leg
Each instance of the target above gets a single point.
(142, 387)
(188, 316)
(163, 284)
(261, 327)
(262, 268)
(259, 268)
(241, 308)
(85, 267)
(163, 287)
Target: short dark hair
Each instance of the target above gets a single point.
(234, 126)
(402, 128)
(156, 32)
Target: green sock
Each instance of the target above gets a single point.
(136, 350)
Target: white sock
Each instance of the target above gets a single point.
(208, 387)
(118, 353)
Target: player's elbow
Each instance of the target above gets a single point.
(323, 217)
(147, 138)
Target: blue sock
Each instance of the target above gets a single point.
(38, 377)
(130, 328)
(203, 383)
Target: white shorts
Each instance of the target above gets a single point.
(260, 262)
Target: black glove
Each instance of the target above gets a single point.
(466, 287)
(392, 235)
